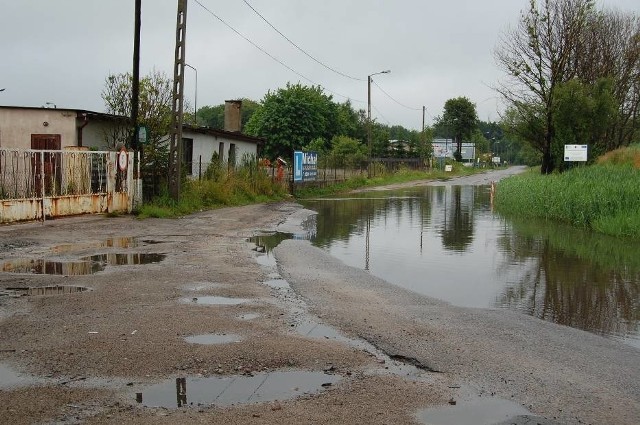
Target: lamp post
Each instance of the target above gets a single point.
(369, 111)
(195, 99)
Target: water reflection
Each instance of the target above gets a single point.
(445, 242)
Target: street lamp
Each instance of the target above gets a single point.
(195, 100)
(369, 110)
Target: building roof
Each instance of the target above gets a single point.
(223, 133)
(80, 113)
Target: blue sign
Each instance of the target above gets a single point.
(305, 166)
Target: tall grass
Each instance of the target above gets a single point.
(604, 198)
(222, 186)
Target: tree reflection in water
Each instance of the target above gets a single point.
(446, 242)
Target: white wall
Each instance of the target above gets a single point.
(205, 145)
(18, 124)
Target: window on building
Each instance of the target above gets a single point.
(187, 155)
(232, 155)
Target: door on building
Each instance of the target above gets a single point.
(48, 164)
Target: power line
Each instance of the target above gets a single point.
(389, 96)
(299, 48)
(269, 54)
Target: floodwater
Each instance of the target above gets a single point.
(446, 242)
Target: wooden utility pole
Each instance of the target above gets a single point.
(175, 151)
(135, 84)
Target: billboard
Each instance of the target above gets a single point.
(305, 166)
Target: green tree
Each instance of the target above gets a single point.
(155, 106)
(555, 42)
(213, 116)
(583, 115)
(347, 152)
(291, 117)
(461, 119)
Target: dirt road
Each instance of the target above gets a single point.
(330, 344)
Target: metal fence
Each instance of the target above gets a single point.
(35, 184)
(37, 173)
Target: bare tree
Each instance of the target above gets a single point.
(538, 56)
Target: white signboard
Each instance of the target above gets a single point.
(576, 153)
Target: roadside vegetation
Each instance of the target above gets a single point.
(604, 197)
(220, 187)
(383, 178)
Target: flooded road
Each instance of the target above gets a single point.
(447, 243)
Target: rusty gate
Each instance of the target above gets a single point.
(38, 184)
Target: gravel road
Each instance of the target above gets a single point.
(390, 356)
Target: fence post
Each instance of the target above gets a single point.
(42, 180)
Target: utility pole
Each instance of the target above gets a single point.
(135, 84)
(175, 151)
(369, 113)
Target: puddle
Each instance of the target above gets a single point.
(62, 268)
(267, 242)
(50, 290)
(85, 266)
(9, 378)
(277, 284)
(266, 260)
(213, 339)
(226, 391)
(480, 411)
(214, 300)
(125, 242)
(249, 316)
(125, 259)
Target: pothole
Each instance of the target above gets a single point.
(50, 290)
(213, 339)
(231, 390)
(277, 284)
(125, 259)
(84, 266)
(61, 268)
(479, 411)
(214, 300)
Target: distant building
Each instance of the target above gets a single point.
(446, 148)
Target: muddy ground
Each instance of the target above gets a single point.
(384, 354)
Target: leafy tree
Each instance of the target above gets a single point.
(291, 117)
(155, 106)
(555, 42)
(347, 152)
(461, 119)
(583, 115)
(213, 116)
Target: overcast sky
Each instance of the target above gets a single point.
(60, 51)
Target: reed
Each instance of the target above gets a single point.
(603, 197)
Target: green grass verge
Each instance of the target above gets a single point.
(401, 176)
(604, 198)
(234, 190)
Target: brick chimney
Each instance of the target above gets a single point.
(233, 115)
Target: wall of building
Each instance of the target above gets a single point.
(100, 134)
(205, 145)
(18, 124)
